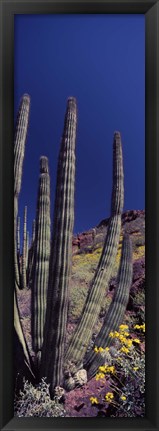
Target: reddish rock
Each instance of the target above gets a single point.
(77, 402)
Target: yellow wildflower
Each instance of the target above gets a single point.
(123, 397)
(94, 400)
(112, 369)
(111, 334)
(99, 376)
(126, 334)
(136, 340)
(124, 350)
(109, 397)
(116, 334)
(123, 327)
(96, 349)
(135, 368)
(102, 368)
(128, 342)
(100, 349)
(107, 349)
(122, 339)
(137, 327)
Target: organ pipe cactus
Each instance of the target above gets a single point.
(116, 311)
(19, 149)
(61, 251)
(50, 278)
(82, 335)
(41, 257)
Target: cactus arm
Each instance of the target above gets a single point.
(61, 253)
(116, 311)
(41, 256)
(82, 335)
(19, 149)
(24, 251)
(18, 236)
(27, 250)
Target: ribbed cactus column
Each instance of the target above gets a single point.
(33, 232)
(31, 256)
(18, 236)
(19, 149)
(18, 244)
(115, 315)
(82, 335)
(24, 251)
(27, 250)
(41, 257)
(61, 254)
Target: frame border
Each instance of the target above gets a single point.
(150, 8)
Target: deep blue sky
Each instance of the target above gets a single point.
(99, 59)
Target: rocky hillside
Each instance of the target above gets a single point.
(87, 248)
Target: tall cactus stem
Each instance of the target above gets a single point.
(41, 257)
(24, 251)
(61, 255)
(18, 236)
(19, 149)
(115, 315)
(27, 249)
(33, 232)
(82, 335)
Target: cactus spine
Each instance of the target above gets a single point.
(82, 335)
(19, 149)
(61, 252)
(24, 251)
(41, 256)
(116, 311)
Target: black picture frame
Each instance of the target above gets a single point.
(150, 8)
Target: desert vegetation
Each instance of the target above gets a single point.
(78, 311)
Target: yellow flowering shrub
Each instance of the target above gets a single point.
(125, 374)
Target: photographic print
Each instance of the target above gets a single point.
(79, 215)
